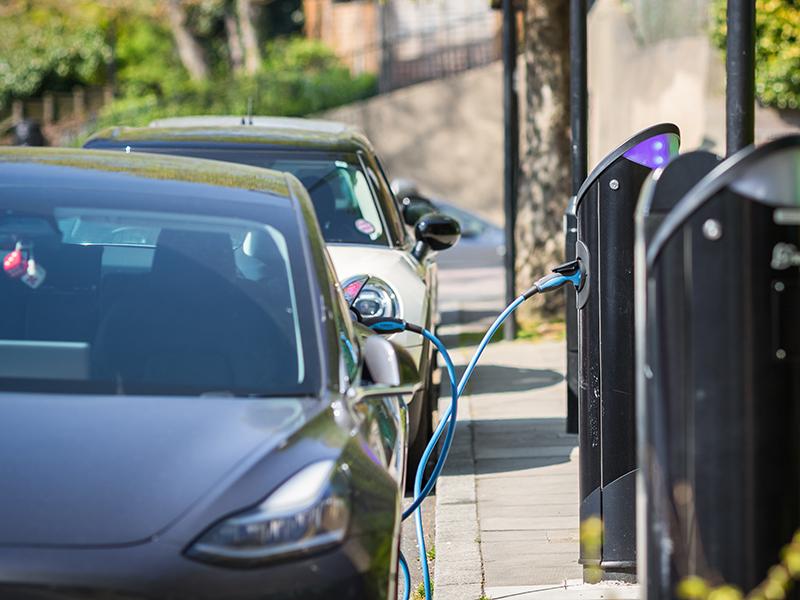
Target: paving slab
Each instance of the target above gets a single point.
(507, 504)
(568, 590)
(550, 536)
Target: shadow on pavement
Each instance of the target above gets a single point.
(510, 445)
(495, 379)
(461, 317)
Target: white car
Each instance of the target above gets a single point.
(383, 271)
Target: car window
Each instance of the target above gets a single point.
(342, 198)
(347, 209)
(394, 213)
(126, 300)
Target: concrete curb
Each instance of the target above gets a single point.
(459, 567)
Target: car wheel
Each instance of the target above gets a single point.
(424, 430)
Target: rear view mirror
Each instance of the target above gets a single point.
(389, 364)
(435, 231)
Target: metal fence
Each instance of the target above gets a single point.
(404, 41)
(422, 55)
(56, 108)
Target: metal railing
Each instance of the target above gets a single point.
(56, 108)
(404, 45)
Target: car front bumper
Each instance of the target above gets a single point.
(159, 571)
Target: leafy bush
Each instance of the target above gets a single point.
(777, 49)
(298, 77)
(146, 59)
(46, 51)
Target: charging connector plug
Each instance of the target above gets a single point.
(387, 325)
(570, 272)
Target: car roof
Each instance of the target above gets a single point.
(114, 168)
(281, 132)
(300, 124)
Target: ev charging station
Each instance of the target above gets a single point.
(571, 238)
(718, 357)
(718, 338)
(604, 215)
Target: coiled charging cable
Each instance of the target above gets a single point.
(570, 272)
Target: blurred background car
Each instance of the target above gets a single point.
(190, 410)
(384, 273)
(482, 244)
(472, 274)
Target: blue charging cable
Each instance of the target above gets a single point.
(570, 272)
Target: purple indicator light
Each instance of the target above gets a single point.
(656, 151)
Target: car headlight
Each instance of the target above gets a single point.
(308, 513)
(371, 297)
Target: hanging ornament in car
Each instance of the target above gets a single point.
(14, 263)
(34, 274)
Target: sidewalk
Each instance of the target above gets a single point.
(507, 503)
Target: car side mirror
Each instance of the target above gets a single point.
(416, 207)
(436, 232)
(389, 364)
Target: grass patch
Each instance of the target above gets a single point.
(542, 330)
(419, 593)
(432, 553)
(529, 330)
(466, 339)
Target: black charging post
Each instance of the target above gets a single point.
(719, 356)
(570, 239)
(604, 209)
(657, 416)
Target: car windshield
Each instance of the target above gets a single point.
(340, 189)
(132, 301)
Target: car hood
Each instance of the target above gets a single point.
(403, 274)
(112, 470)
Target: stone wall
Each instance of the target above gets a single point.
(446, 134)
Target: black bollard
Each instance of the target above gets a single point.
(719, 355)
(604, 208)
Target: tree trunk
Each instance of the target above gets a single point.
(189, 49)
(544, 182)
(234, 41)
(252, 53)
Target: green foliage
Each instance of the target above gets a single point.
(777, 49)
(298, 77)
(419, 592)
(43, 49)
(146, 59)
(431, 553)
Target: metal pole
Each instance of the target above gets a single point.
(511, 127)
(740, 68)
(579, 117)
(579, 111)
